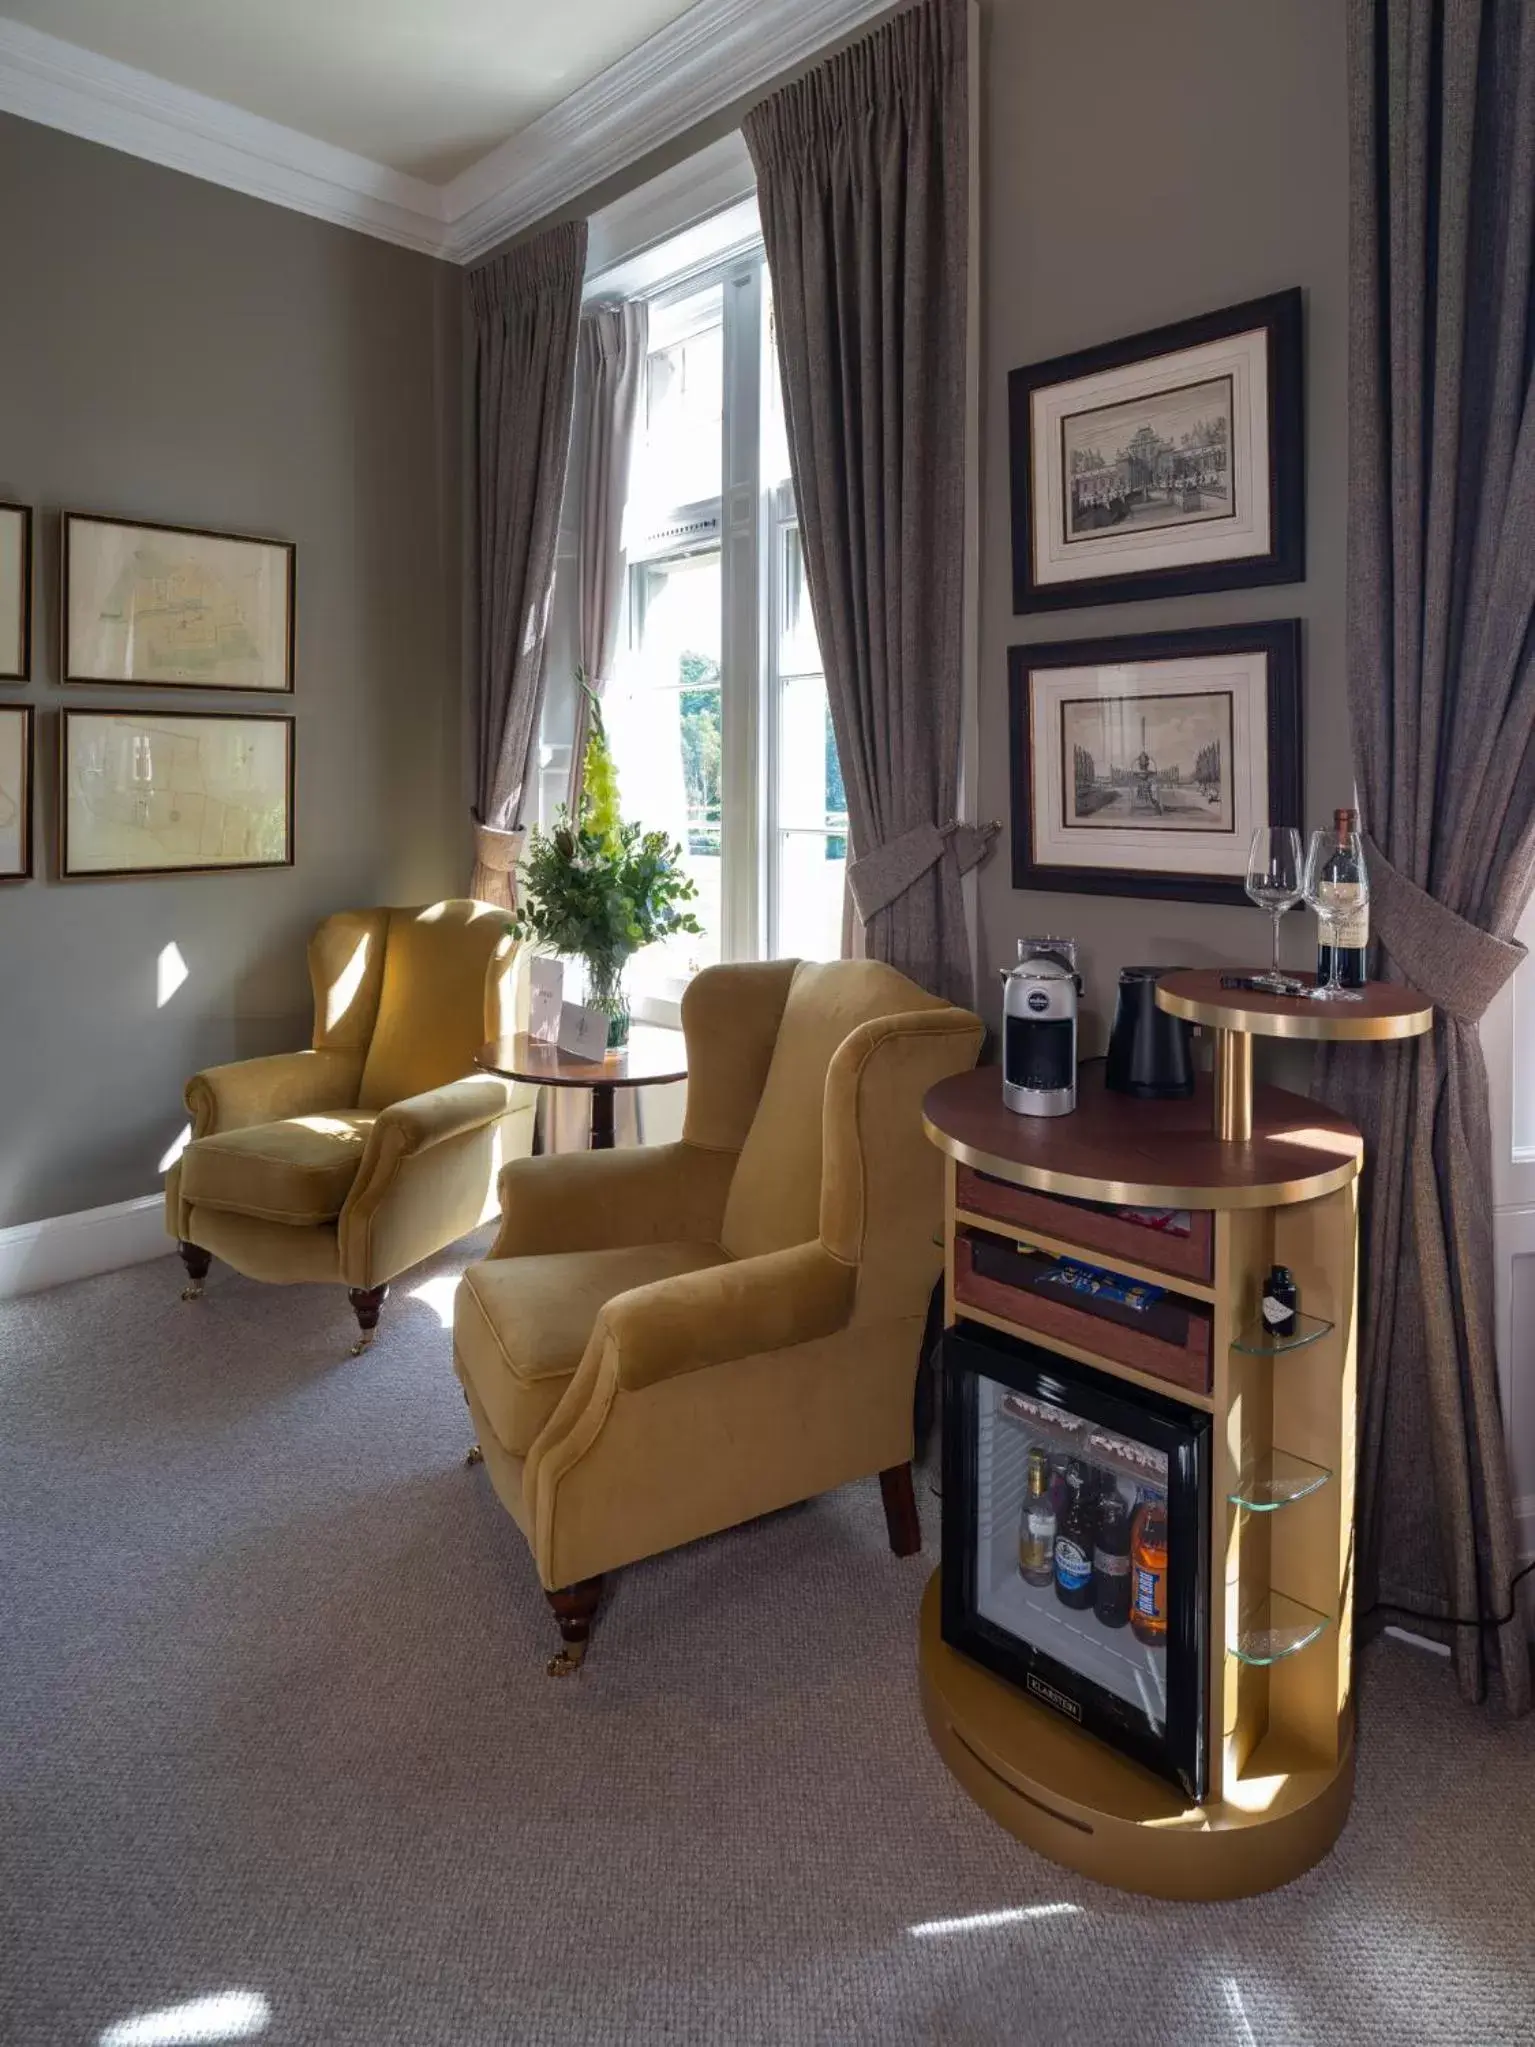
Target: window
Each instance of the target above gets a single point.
(717, 709)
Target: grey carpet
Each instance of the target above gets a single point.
(273, 1721)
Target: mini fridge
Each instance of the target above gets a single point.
(1075, 1544)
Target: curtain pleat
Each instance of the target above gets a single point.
(1442, 704)
(862, 179)
(524, 308)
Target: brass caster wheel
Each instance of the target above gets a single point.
(192, 1291)
(474, 1455)
(568, 1662)
(364, 1342)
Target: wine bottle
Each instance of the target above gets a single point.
(1353, 927)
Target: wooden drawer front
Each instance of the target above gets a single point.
(1186, 1364)
(1190, 1257)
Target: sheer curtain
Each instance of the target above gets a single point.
(524, 307)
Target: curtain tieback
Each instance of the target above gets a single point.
(1457, 965)
(887, 872)
(496, 850)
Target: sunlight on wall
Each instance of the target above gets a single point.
(227, 2015)
(178, 1146)
(170, 971)
(437, 1294)
(978, 1922)
(340, 994)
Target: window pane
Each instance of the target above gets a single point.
(662, 711)
(811, 819)
(679, 456)
(799, 651)
(810, 885)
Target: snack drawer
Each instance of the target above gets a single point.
(1171, 1340)
(1187, 1248)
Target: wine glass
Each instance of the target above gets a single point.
(1275, 878)
(1337, 884)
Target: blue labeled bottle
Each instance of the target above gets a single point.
(1074, 1541)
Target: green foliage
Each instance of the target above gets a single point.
(595, 887)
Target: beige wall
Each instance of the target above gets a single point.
(172, 350)
(1142, 164)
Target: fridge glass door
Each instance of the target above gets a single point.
(1036, 1555)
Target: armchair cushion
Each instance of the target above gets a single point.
(520, 1325)
(297, 1171)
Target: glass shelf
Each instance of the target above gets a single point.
(1276, 1480)
(1276, 1627)
(1257, 1342)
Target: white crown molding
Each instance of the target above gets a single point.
(62, 86)
(715, 54)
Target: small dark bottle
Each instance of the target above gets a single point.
(1111, 1558)
(1279, 1302)
(1074, 1542)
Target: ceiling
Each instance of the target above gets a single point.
(424, 87)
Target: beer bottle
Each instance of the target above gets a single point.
(1074, 1542)
(1111, 1557)
(1036, 1529)
(1148, 1564)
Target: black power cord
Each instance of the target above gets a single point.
(1418, 1613)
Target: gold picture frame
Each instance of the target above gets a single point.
(146, 605)
(136, 784)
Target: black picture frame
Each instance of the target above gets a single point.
(23, 671)
(971, 1351)
(1278, 640)
(1280, 315)
(23, 713)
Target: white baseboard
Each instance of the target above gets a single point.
(65, 1247)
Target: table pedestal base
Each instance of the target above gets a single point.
(1233, 1086)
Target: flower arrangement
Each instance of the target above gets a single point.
(598, 889)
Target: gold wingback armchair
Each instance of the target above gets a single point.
(357, 1159)
(670, 1340)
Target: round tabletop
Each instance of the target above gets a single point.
(1386, 1009)
(1150, 1154)
(650, 1059)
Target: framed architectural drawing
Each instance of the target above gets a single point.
(15, 593)
(1142, 766)
(169, 792)
(1165, 464)
(15, 792)
(175, 606)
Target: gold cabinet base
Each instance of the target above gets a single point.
(1072, 1798)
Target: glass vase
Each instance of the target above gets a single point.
(605, 992)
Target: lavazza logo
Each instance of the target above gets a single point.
(1054, 1698)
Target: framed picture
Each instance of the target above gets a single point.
(15, 593)
(1142, 766)
(169, 792)
(175, 606)
(1166, 464)
(15, 792)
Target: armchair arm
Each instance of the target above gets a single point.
(421, 1121)
(267, 1090)
(737, 1310)
(607, 1200)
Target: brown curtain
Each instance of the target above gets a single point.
(610, 366)
(1442, 704)
(862, 177)
(524, 307)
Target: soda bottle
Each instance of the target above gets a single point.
(1148, 1568)
(1036, 1529)
(1074, 1542)
(1111, 1558)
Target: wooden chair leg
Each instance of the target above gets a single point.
(575, 1608)
(367, 1303)
(901, 1522)
(196, 1260)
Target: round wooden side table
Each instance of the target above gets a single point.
(1385, 1009)
(652, 1058)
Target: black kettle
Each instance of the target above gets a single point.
(1150, 1052)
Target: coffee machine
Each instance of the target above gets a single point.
(1041, 996)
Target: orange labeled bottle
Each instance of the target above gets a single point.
(1148, 1572)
